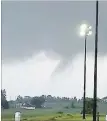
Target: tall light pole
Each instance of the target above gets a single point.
(95, 67)
(85, 30)
(84, 95)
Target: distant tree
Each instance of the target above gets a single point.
(12, 104)
(89, 105)
(3, 94)
(6, 106)
(19, 99)
(37, 101)
(27, 100)
(104, 98)
(44, 96)
(49, 96)
(75, 98)
(4, 102)
(72, 105)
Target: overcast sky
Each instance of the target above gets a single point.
(42, 52)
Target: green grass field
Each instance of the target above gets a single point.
(44, 115)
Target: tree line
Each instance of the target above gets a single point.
(38, 101)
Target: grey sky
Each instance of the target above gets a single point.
(50, 28)
(28, 27)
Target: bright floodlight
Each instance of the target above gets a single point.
(89, 33)
(83, 27)
(85, 30)
(90, 27)
(82, 33)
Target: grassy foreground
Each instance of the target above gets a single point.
(45, 115)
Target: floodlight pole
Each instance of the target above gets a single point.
(84, 77)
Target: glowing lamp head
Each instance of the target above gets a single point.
(90, 27)
(82, 33)
(89, 33)
(85, 30)
(83, 27)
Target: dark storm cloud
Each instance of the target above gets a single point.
(29, 27)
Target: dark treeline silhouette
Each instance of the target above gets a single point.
(46, 101)
(4, 102)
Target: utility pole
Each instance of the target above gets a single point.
(95, 66)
